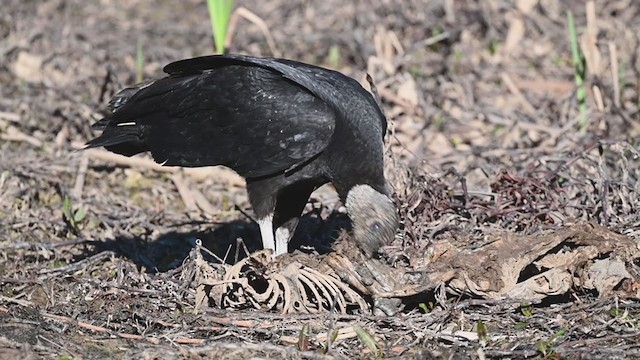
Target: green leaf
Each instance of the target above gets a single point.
(521, 325)
(66, 208)
(334, 56)
(424, 307)
(334, 335)
(330, 340)
(481, 331)
(219, 14)
(303, 338)
(527, 311)
(79, 215)
(560, 333)
(614, 311)
(542, 346)
(494, 45)
(368, 340)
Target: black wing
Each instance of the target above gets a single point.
(258, 118)
(341, 92)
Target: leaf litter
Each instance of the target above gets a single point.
(520, 232)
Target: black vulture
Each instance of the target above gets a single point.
(287, 127)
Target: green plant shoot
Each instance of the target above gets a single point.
(368, 341)
(139, 61)
(219, 13)
(73, 217)
(580, 70)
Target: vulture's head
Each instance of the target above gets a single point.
(373, 216)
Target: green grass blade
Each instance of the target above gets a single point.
(578, 59)
(579, 69)
(139, 60)
(219, 13)
(303, 338)
(67, 210)
(368, 341)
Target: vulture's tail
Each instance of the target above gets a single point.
(119, 136)
(124, 139)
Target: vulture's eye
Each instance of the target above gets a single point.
(375, 227)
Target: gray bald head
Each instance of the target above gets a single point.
(373, 216)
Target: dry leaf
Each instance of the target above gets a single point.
(603, 275)
(28, 67)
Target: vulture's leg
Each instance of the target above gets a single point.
(284, 233)
(289, 207)
(266, 232)
(263, 200)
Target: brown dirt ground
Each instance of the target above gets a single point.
(486, 137)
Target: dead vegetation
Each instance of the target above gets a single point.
(521, 225)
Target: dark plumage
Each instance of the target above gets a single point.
(285, 126)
